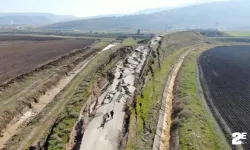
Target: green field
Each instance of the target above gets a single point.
(239, 33)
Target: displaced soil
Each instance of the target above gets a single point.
(19, 57)
(114, 98)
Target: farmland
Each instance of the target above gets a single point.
(30, 68)
(225, 81)
(239, 33)
(19, 57)
(55, 90)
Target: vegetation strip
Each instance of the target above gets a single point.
(193, 126)
(162, 135)
(144, 118)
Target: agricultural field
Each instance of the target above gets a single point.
(225, 81)
(64, 76)
(239, 33)
(19, 57)
(33, 71)
(56, 91)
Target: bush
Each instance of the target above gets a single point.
(178, 107)
(184, 114)
(175, 124)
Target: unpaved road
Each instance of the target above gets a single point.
(122, 88)
(162, 137)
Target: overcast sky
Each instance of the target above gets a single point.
(84, 8)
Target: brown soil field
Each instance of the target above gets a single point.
(225, 74)
(19, 57)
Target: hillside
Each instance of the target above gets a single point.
(229, 14)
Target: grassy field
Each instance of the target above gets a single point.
(239, 33)
(129, 42)
(197, 127)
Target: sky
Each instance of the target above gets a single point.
(86, 8)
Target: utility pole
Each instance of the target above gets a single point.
(166, 28)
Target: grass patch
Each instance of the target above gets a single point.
(196, 130)
(101, 45)
(129, 42)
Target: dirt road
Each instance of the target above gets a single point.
(162, 136)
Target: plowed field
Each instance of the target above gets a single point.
(19, 57)
(226, 80)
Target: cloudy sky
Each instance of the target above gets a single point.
(84, 8)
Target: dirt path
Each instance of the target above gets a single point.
(15, 126)
(162, 137)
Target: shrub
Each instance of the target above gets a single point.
(184, 114)
(175, 124)
(178, 107)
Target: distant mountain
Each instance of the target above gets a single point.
(33, 18)
(103, 16)
(153, 10)
(229, 14)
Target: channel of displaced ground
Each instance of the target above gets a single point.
(114, 98)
